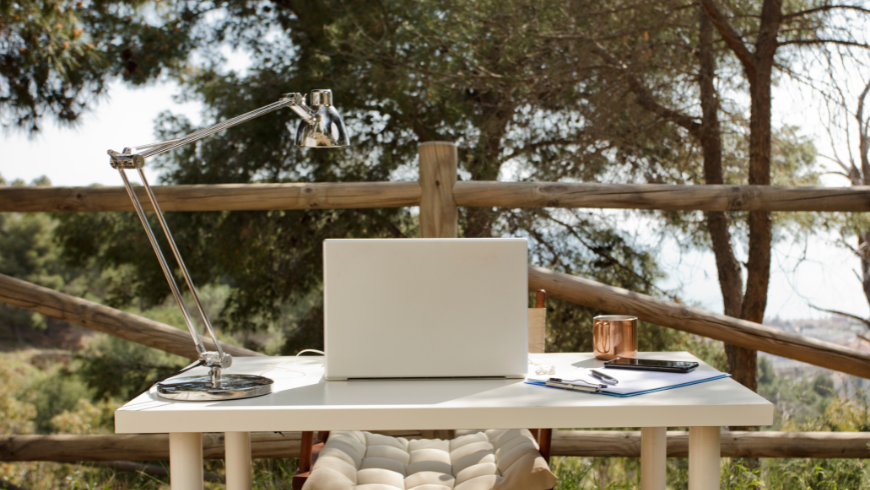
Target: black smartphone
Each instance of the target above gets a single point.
(651, 365)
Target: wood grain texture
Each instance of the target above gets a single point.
(590, 443)
(151, 447)
(733, 444)
(693, 320)
(219, 197)
(105, 319)
(545, 443)
(661, 196)
(260, 197)
(439, 217)
(305, 452)
(537, 330)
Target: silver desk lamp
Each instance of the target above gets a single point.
(321, 127)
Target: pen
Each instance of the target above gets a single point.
(560, 380)
(574, 381)
(569, 386)
(604, 377)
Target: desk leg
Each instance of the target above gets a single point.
(703, 458)
(238, 460)
(185, 460)
(653, 457)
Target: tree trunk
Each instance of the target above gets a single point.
(760, 227)
(864, 241)
(758, 67)
(710, 136)
(484, 162)
(864, 154)
(741, 361)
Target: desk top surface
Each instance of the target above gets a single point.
(303, 400)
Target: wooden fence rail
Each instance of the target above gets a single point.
(693, 320)
(661, 196)
(260, 197)
(221, 197)
(135, 447)
(155, 447)
(563, 286)
(105, 319)
(733, 444)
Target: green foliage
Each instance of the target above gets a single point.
(59, 55)
(53, 393)
(28, 251)
(797, 401)
(772, 474)
(118, 368)
(16, 415)
(87, 418)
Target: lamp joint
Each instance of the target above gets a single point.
(294, 97)
(125, 161)
(216, 360)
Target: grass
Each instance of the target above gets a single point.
(267, 474)
(771, 474)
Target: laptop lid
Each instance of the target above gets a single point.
(414, 308)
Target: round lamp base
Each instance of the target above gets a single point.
(200, 389)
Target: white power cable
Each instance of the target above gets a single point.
(293, 369)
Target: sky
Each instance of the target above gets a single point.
(822, 274)
(77, 156)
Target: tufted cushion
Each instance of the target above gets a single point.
(491, 460)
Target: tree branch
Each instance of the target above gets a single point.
(732, 38)
(631, 31)
(824, 41)
(644, 97)
(533, 146)
(601, 253)
(549, 246)
(865, 321)
(864, 135)
(824, 8)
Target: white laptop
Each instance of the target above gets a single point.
(426, 308)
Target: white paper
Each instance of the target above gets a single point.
(634, 381)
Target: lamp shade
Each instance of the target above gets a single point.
(327, 130)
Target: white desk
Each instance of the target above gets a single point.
(308, 403)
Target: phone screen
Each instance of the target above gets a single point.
(622, 361)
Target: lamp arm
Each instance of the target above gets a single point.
(125, 160)
(128, 160)
(167, 271)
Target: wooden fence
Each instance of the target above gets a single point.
(439, 194)
(267, 197)
(592, 443)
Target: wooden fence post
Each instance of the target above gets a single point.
(439, 217)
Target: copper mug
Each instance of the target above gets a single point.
(614, 336)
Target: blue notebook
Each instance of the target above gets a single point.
(632, 382)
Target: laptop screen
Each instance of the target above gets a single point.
(426, 308)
